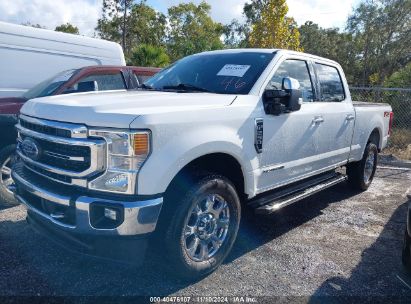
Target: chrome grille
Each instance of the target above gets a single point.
(75, 158)
(45, 129)
(70, 158)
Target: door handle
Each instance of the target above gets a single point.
(350, 117)
(318, 119)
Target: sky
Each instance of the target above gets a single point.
(84, 13)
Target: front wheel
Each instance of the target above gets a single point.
(203, 227)
(361, 173)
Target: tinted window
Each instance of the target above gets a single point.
(107, 81)
(143, 78)
(296, 69)
(104, 82)
(223, 73)
(49, 86)
(331, 84)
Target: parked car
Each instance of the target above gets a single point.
(92, 78)
(212, 134)
(30, 55)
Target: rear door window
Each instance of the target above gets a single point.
(331, 84)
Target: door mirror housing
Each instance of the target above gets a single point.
(288, 99)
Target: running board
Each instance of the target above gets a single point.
(271, 203)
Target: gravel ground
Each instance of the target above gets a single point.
(338, 243)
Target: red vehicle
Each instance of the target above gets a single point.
(92, 78)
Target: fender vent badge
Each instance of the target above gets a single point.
(258, 134)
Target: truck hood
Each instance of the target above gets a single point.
(11, 105)
(118, 109)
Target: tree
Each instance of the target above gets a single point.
(146, 25)
(382, 31)
(400, 78)
(67, 28)
(113, 23)
(271, 28)
(235, 34)
(192, 30)
(149, 55)
(332, 44)
(131, 23)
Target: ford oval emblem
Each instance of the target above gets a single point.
(30, 148)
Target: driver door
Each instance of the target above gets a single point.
(290, 139)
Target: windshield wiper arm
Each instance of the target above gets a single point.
(185, 87)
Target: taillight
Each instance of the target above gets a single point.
(390, 123)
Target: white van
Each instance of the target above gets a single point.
(30, 55)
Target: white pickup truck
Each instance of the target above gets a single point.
(210, 135)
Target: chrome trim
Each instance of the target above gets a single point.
(272, 168)
(40, 192)
(76, 131)
(42, 214)
(310, 191)
(140, 217)
(74, 182)
(59, 140)
(97, 153)
(54, 169)
(62, 156)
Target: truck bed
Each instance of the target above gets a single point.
(369, 117)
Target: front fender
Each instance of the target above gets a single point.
(178, 150)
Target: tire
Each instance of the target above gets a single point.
(361, 173)
(203, 227)
(406, 252)
(6, 194)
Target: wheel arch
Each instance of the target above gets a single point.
(375, 138)
(217, 163)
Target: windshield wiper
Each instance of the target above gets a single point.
(185, 87)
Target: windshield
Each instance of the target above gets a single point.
(49, 86)
(222, 73)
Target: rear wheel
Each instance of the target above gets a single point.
(203, 228)
(361, 173)
(6, 182)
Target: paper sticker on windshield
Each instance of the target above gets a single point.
(233, 70)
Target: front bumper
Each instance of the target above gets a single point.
(69, 215)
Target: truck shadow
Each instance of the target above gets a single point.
(256, 231)
(33, 265)
(379, 276)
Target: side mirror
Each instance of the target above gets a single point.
(292, 87)
(285, 100)
(87, 86)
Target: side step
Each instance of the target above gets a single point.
(291, 194)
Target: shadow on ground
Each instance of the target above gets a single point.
(36, 266)
(32, 265)
(379, 276)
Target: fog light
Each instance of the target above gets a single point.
(111, 214)
(106, 215)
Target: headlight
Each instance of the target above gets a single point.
(126, 153)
